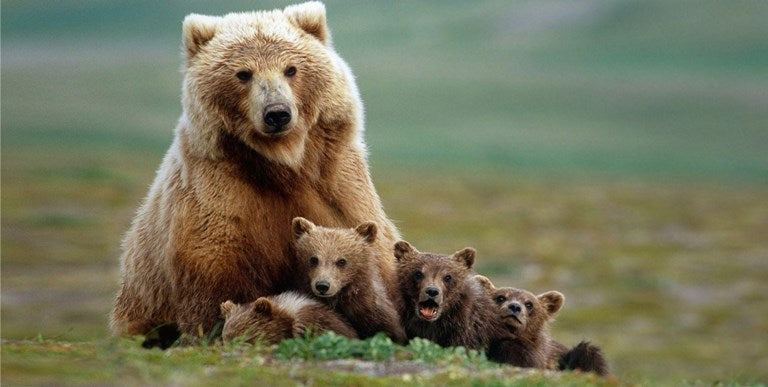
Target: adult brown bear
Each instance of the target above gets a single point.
(271, 129)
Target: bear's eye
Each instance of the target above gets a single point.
(244, 75)
(529, 305)
(341, 262)
(447, 279)
(418, 275)
(290, 71)
(313, 261)
(501, 299)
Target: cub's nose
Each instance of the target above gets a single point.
(276, 116)
(515, 308)
(432, 291)
(322, 286)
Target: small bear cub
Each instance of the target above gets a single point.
(343, 273)
(274, 318)
(441, 300)
(526, 317)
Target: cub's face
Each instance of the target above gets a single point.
(259, 76)
(258, 320)
(524, 312)
(432, 283)
(333, 257)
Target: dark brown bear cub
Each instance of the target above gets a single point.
(343, 273)
(441, 300)
(274, 318)
(529, 344)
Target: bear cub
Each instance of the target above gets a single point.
(441, 300)
(274, 318)
(526, 317)
(343, 273)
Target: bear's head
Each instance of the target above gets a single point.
(334, 257)
(433, 284)
(260, 320)
(265, 80)
(523, 313)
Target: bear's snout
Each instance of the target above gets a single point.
(515, 308)
(432, 291)
(276, 116)
(322, 286)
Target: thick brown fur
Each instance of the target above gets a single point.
(215, 225)
(441, 300)
(343, 273)
(526, 317)
(274, 318)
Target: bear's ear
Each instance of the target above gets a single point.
(262, 306)
(301, 226)
(197, 30)
(465, 257)
(368, 231)
(404, 251)
(552, 301)
(310, 17)
(226, 308)
(485, 283)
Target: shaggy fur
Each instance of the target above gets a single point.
(343, 273)
(584, 357)
(215, 225)
(529, 344)
(271, 319)
(441, 300)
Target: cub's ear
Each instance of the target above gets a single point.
(485, 283)
(262, 306)
(465, 256)
(301, 226)
(368, 231)
(310, 17)
(197, 30)
(552, 301)
(404, 251)
(226, 308)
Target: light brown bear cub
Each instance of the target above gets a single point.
(441, 300)
(341, 263)
(526, 317)
(274, 318)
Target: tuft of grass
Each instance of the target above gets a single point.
(331, 346)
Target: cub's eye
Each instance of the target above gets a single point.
(529, 305)
(341, 262)
(418, 275)
(500, 299)
(244, 75)
(313, 261)
(447, 279)
(290, 71)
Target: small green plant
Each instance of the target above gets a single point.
(426, 351)
(331, 346)
(327, 346)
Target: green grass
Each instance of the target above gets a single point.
(614, 151)
(353, 363)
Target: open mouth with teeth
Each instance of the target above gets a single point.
(428, 310)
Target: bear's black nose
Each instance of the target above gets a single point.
(276, 116)
(515, 307)
(322, 286)
(432, 291)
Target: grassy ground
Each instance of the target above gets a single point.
(46, 362)
(610, 150)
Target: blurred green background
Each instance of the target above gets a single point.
(612, 150)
